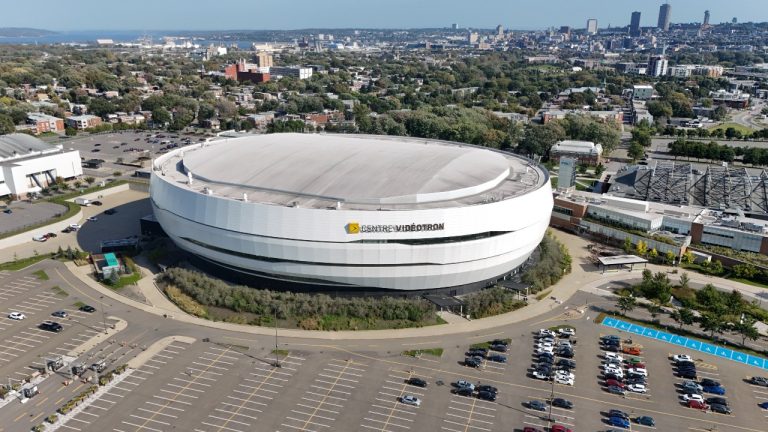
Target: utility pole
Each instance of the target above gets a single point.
(551, 399)
(277, 355)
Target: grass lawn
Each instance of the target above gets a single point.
(123, 281)
(59, 292)
(23, 262)
(436, 352)
(41, 275)
(749, 282)
(741, 128)
(487, 344)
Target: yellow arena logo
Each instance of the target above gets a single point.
(353, 228)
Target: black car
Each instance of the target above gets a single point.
(418, 382)
(687, 374)
(96, 203)
(88, 308)
(610, 376)
(486, 395)
(611, 348)
(687, 368)
(472, 362)
(646, 421)
(618, 413)
(477, 352)
(707, 382)
(615, 342)
(110, 211)
(717, 401)
(499, 347)
(565, 362)
(499, 342)
(498, 358)
(565, 354)
(487, 388)
(718, 408)
(51, 326)
(562, 403)
(616, 390)
(546, 361)
(463, 391)
(537, 405)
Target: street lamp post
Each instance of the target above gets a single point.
(277, 354)
(551, 399)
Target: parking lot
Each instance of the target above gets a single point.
(23, 214)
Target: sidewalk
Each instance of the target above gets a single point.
(584, 276)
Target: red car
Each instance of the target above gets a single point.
(613, 382)
(698, 404)
(531, 429)
(559, 428)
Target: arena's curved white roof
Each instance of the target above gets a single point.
(296, 169)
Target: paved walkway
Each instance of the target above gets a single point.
(584, 276)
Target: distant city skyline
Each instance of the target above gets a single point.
(300, 14)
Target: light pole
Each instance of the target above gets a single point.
(551, 399)
(277, 355)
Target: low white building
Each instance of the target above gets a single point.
(28, 165)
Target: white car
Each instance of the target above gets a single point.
(540, 375)
(564, 374)
(618, 372)
(93, 219)
(564, 380)
(692, 396)
(611, 361)
(16, 316)
(638, 371)
(682, 358)
(568, 331)
(610, 355)
(39, 238)
(546, 332)
(544, 345)
(74, 227)
(410, 400)
(636, 388)
(543, 350)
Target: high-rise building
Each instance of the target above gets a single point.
(455, 26)
(472, 37)
(634, 26)
(499, 31)
(566, 178)
(264, 59)
(706, 19)
(665, 12)
(657, 66)
(592, 26)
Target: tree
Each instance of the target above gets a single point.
(599, 170)
(635, 152)
(70, 131)
(653, 254)
(6, 125)
(161, 116)
(626, 303)
(539, 140)
(627, 245)
(712, 323)
(688, 257)
(654, 308)
(746, 328)
(684, 281)
(669, 257)
(682, 316)
(641, 248)
(90, 180)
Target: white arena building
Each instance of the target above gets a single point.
(353, 212)
(28, 165)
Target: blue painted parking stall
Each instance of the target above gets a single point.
(691, 344)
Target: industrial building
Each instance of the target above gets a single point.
(353, 213)
(28, 165)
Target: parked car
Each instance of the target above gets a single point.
(616, 390)
(646, 421)
(541, 374)
(721, 409)
(717, 401)
(92, 219)
(618, 413)
(16, 316)
(631, 350)
(559, 428)
(692, 396)
(763, 405)
(614, 355)
(465, 384)
(60, 314)
(486, 388)
(473, 362)
(110, 211)
(499, 347)
(613, 382)
(51, 326)
(637, 371)
(486, 395)
(637, 388)
(87, 308)
(681, 358)
(410, 400)
(418, 382)
(96, 203)
(498, 358)
(537, 405)
(718, 390)
(566, 362)
(759, 381)
(562, 403)
(567, 331)
(618, 422)
(463, 391)
(7, 211)
(697, 405)
(709, 382)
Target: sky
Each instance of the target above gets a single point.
(147, 15)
